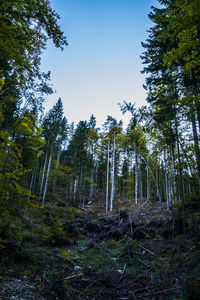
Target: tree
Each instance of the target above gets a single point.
(25, 28)
(112, 128)
(55, 129)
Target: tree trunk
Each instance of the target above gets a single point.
(92, 185)
(157, 188)
(107, 178)
(196, 146)
(174, 174)
(57, 163)
(112, 177)
(148, 184)
(166, 181)
(30, 187)
(75, 189)
(136, 175)
(47, 178)
(140, 179)
(43, 173)
(180, 174)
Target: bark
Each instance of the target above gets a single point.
(47, 178)
(136, 176)
(43, 173)
(30, 188)
(190, 169)
(57, 163)
(112, 177)
(174, 173)
(34, 180)
(157, 188)
(196, 146)
(148, 184)
(71, 190)
(140, 180)
(166, 181)
(91, 186)
(107, 179)
(75, 189)
(180, 174)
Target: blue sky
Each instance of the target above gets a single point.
(101, 66)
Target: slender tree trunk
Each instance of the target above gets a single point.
(140, 179)
(81, 189)
(47, 178)
(43, 173)
(190, 169)
(148, 184)
(156, 183)
(197, 102)
(113, 177)
(34, 180)
(196, 146)
(92, 184)
(157, 186)
(67, 196)
(57, 163)
(75, 189)
(107, 178)
(136, 175)
(174, 174)
(181, 175)
(166, 181)
(30, 188)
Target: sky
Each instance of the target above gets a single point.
(101, 65)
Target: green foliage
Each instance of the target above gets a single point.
(128, 185)
(55, 126)
(25, 28)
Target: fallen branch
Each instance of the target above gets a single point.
(54, 205)
(149, 251)
(141, 261)
(134, 297)
(123, 272)
(72, 276)
(84, 209)
(157, 293)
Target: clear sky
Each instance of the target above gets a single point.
(101, 66)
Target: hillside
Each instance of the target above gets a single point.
(138, 252)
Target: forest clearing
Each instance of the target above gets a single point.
(137, 252)
(106, 211)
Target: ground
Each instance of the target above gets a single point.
(135, 252)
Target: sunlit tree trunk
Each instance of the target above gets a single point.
(154, 179)
(57, 163)
(180, 174)
(75, 189)
(47, 178)
(148, 183)
(166, 180)
(43, 174)
(107, 178)
(30, 187)
(136, 175)
(174, 174)
(112, 177)
(140, 179)
(37, 174)
(196, 146)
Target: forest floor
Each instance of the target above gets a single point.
(137, 252)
